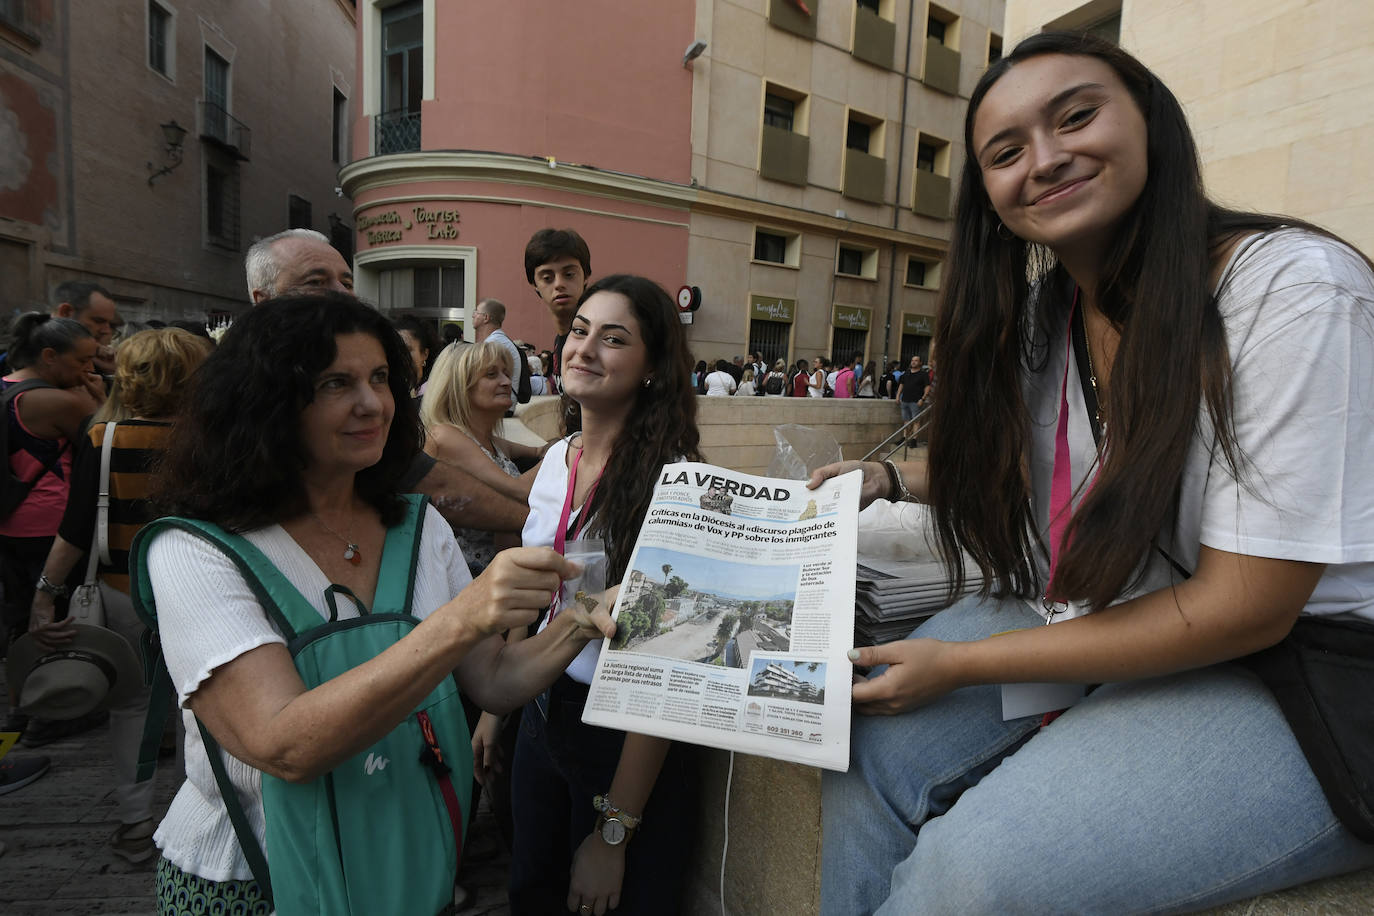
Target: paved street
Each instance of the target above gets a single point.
(55, 831)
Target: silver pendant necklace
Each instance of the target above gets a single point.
(351, 552)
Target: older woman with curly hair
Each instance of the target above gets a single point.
(297, 431)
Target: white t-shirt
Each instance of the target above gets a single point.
(720, 384)
(547, 495)
(815, 385)
(745, 388)
(208, 616)
(1299, 316)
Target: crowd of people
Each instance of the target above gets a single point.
(1175, 528)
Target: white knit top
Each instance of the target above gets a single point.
(207, 616)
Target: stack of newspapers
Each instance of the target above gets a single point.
(900, 580)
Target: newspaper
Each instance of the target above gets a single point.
(734, 617)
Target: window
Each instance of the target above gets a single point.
(297, 212)
(422, 289)
(851, 261)
(403, 52)
(935, 28)
(221, 199)
(778, 111)
(159, 38)
(216, 114)
(870, 5)
(776, 246)
(858, 135)
(923, 273)
(915, 272)
(994, 48)
(769, 246)
(340, 138)
(22, 17)
(925, 156)
(769, 340)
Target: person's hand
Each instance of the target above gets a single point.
(594, 623)
(875, 483)
(486, 747)
(50, 634)
(597, 873)
(919, 671)
(512, 591)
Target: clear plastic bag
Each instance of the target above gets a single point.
(801, 450)
(588, 587)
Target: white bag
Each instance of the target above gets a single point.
(87, 605)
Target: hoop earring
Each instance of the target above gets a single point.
(1004, 233)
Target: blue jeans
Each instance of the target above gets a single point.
(1156, 796)
(560, 764)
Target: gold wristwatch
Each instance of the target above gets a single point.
(614, 826)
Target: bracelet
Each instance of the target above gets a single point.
(895, 485)
(57, 591)
(606, 807)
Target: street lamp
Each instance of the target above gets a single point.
(172, 134)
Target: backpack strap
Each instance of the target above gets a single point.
(252, 851)
(400, 555)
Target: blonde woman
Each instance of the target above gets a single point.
(467, 395)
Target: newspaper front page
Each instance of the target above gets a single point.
(734, 617)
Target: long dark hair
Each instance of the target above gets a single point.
(236, 455)
(661, 426)
(1001, 298)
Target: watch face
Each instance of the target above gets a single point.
(613, 832)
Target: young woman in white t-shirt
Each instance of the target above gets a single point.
(1226, 498)
(574, 786)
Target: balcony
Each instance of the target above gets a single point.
(19, 18)
(787, 15)
(932, 195)
(864, 176)
(785, 155)
(942, 67)
(220, 127)
(874, 37)
(397, 132)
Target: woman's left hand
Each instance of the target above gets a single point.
(50, 634)
(919, 671)
(597, 872)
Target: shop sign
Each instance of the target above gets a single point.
(854, 317)
(922, 325)
(772, 308)
(391, 226)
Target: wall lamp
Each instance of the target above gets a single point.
(693, 51)
(172, 134)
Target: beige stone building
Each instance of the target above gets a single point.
(824, 138)
(256, 97)
(1278, 93)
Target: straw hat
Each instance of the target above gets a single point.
(96, 670)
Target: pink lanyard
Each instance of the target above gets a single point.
(1061, 481)
(560, 536)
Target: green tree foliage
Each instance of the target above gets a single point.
(675, 586)
(667, 568)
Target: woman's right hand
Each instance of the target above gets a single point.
(513, 590)
(875, 483)
(486, 748)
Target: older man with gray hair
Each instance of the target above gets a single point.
(302, 261)
(297, 260)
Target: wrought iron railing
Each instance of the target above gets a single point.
(397, 132)
(904, 436)
(223, 128)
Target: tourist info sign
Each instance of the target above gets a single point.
(735, 616)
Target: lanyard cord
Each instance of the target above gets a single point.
(560, 536)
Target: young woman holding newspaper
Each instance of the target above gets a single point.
(611, 809)
(1151, 432)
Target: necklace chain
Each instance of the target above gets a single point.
(351, 552)
(1092, 377)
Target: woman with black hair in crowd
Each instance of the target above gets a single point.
(421, 342)
(297, 431)
(1152, 432)
(53, 372)
(612, 809)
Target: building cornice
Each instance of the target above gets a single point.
(395, 171)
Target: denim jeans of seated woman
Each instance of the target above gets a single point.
(1154, 796)
(560, 765)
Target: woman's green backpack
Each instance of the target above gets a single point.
(382, 832)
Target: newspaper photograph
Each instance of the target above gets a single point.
(734, 617)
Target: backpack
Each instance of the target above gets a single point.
(383, 831)
(774, 384)
(523, 389)
(13, 490)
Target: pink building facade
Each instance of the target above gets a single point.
(509, 118)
